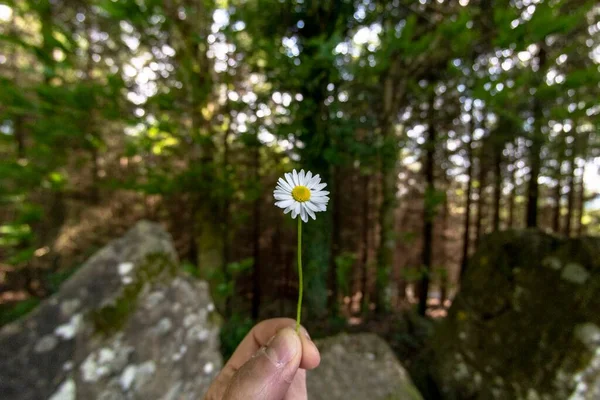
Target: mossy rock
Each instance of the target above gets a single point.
(525, 324)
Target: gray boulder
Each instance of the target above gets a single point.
(359, 367)
(526, 324)
(127, 325)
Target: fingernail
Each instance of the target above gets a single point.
(283, 346)
(306, 334)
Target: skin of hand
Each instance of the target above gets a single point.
(269, 364)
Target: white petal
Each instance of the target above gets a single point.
(301, 180)
(311, 206)
(303, 214)
(315, 180)
(290, 208)
(294, 214)
(319, 200)
(309, 211)
(289, 180)
(297, 207)
(279, 191)
(285, 203)
(282, 196)
(308, 177)
(284, 184)
(318, 193)
(295, 178)
(319, 186)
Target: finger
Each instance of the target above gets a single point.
(297, 390)
(311, 358)
(260, 335)
(269, 374)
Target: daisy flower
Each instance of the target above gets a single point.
(301, 194)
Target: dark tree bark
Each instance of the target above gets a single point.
(429, 209)
(571, 186)
(364, 262)
(581, 202)
(332, 284)
(512, 197)
(558, 188)
(19, 130)
(226, 217)
(468, 203)
(480, 200)
(497, 188)
(256, 270)
(557, 202)
(444, 272)
(535, 150)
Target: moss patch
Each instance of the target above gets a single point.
(111, 318)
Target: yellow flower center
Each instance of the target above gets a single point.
(301, 194)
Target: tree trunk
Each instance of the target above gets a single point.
(467, 221)
(535, 150)
(557, 201)
(256, 287)
(20, 137)
(364, 262)
(571, 185)
(512, 196)
(497, 188)
(444, 266)
(429, 209)
(332, 298)
(581, 202)
(225, 216)
(481, 200)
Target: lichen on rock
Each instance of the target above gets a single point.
(111, 331)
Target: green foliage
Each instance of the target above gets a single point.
(235, 328)
(344, 264)
(223, 281)
(12, 312)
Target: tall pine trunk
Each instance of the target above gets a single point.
(557, 200)
(512, 196)
(581, 202)
(497, 188)
(389, 177)
(332, 284)
(225, 212)
(480, 200)
(256, 270)
(536, 149)
(428, 209)
(571, 186)
(467, 222)
(364, 262)
(444, 271)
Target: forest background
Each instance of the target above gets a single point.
(433, 123)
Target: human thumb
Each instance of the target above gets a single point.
(269, 373)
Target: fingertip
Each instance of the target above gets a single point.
(310, 353)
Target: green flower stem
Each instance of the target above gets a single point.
(300, 283)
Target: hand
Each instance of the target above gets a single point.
(269, 364)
